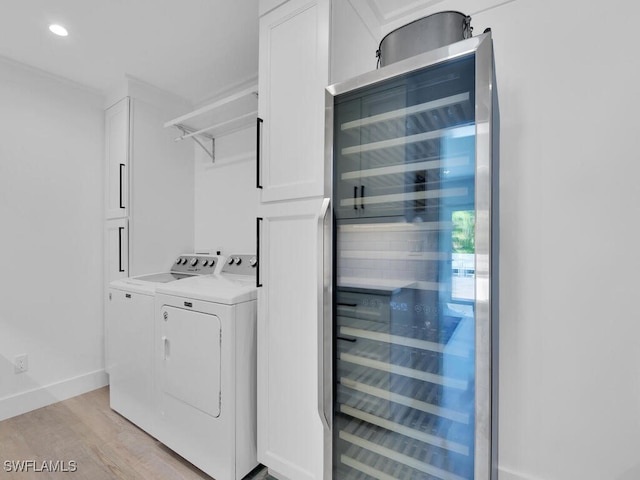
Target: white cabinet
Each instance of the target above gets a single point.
(116, 249)
(117, 125)
(116, 244)
(289, 427)
(293, 72)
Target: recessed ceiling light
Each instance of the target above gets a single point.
(58, 30)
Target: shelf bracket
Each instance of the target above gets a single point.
(188, 133)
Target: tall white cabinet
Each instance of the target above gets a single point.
(293, 72)
(117, 142)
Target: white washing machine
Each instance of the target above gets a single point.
(206, 368)
(129, 337)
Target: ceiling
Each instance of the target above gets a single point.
(194, 48)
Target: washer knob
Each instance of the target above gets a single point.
(179, 261)
(194, 262)
(230, 261)
(253, 261)
(237, 260)
(205, 263)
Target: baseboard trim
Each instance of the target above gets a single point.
(41, 397)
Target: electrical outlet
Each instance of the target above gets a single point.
(21, 363)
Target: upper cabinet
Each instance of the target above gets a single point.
(117, 129)
(293, 72)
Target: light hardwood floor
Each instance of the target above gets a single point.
(103, 445)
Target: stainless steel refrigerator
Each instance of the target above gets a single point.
(408, 307)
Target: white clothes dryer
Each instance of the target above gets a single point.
(206, 369)
(129, 337)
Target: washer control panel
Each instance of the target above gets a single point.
(241, 264)
(197, 264)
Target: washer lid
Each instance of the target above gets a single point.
(225, 289)
(130, 285)
(147, 284)
(164, 277)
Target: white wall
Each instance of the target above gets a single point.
(568, 81)
(353, 44)
(51, 198)
(161, 222)
(226, 197)
(570, 360)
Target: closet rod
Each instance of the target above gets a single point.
(212, 127)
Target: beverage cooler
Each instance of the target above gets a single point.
(409, 292)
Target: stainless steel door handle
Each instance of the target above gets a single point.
(324, 316)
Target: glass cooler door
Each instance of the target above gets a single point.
(404, 314)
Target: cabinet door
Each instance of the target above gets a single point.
(407, 365)
(293, 71)
(116, 124)
(289, 428)
(116, 249)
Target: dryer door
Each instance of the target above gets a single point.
(191, 358)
